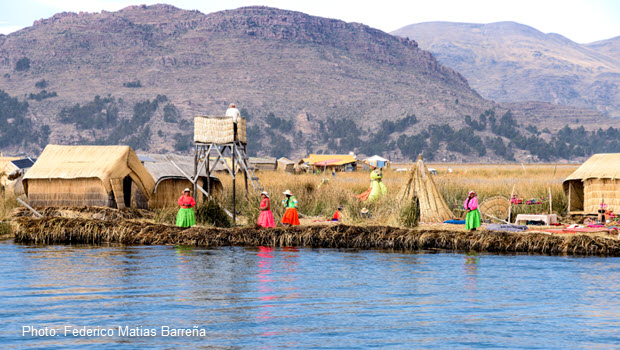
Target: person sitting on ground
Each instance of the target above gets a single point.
(290, 215)
(338, 214)
(265, 219)
(186, 216)
(472, 220)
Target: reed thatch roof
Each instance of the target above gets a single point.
(102, 162)
(162, 169)
(599, 166)
(285, 161)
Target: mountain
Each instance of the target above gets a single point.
(264, 59)
(609, 47)
(509, 62)
(138, 76)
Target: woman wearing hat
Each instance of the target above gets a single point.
(265, 219)
(186, 217)
(472, 220)
(290, 203)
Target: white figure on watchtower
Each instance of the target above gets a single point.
(233, 112)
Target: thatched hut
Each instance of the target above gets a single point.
(170, 181)
(4, 161)
(263, 163)
(594, 182)
(14, 171)
(109, 176)
(286, 165)
(331, 162)
(377, 161)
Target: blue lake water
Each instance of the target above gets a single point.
(264, 298)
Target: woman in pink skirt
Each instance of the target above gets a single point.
(265, 219)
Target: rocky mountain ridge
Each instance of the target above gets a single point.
(510, 62)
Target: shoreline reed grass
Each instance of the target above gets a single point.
(60, 230)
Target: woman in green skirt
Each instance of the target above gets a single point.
(472, 220)
(186, 216)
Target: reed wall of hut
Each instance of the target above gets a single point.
(69, 192)
(169, 190)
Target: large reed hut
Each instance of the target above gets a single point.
(170, 181)
(110, 176)
(594, 182)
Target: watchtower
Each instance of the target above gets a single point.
(214, 135)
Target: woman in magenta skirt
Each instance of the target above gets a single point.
(265, 219)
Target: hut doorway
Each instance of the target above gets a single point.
(127, 191)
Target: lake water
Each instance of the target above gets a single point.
(264, 298)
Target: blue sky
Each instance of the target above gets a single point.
(582, 21)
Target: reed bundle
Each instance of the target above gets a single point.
(59, 230)
(101, 213)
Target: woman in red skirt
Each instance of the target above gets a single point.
(290, 215)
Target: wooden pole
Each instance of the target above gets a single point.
(510, 203)
(208, 172)
(36, 213)
(234, 189)
(550, 202)
(569, 186)
(196, 159)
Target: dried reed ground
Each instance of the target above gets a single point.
(529, 181)
(59, 230)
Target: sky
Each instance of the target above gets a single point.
(582, 21)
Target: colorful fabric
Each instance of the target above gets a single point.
(290, 202)
(265, 219)
(186, 201)
(377, 190)
(186, 217)
(472, 220)
(337, 216)
(291, 217)
(471, 203)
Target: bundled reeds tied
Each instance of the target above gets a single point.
(217, 129)
(55, 230)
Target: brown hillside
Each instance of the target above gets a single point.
(265, 59)
(510, 62)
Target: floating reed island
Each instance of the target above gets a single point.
(79, 230)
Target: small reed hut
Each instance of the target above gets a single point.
(263, 163)
(286, 165)
(4, 162)
(596, 181)
(170, 181)
(14, 171)
(422, 187)
(109, 176)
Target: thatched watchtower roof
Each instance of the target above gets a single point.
(102, 162)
